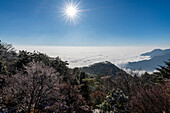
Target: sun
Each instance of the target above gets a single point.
(71, 11)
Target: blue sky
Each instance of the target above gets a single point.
(104, 23)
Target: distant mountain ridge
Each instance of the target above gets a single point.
(102, 68)
(158, 57)
(156, 52)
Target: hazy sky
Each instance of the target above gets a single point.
(102, 23)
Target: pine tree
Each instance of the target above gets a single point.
(164, 71)
(84, 86)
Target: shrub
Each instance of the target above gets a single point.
(151, 99)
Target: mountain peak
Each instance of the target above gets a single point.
(156, 52)
(102, 68)
(158, 56)
(107, 62)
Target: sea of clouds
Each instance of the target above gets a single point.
(85, 56)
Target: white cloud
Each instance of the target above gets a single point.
(84, 56)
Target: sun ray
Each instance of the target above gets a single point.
(71, 11)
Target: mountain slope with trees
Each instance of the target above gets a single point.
(102, 69)
(37, 83)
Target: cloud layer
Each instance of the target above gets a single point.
(84, 56)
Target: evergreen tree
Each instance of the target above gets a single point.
(164, 71)
(115, 102)
(3, 69)
(84, 86)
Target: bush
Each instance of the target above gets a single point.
(115, 102)
(151, 99)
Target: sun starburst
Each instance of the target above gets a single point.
(71, 11)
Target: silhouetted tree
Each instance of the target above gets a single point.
(164, 71)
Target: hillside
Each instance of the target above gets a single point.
(103, 69)
(35, 82)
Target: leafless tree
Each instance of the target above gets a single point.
(40, 88)
(70, 101)
(151, 99)
(34, 89)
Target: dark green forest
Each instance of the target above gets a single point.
(33, 82)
